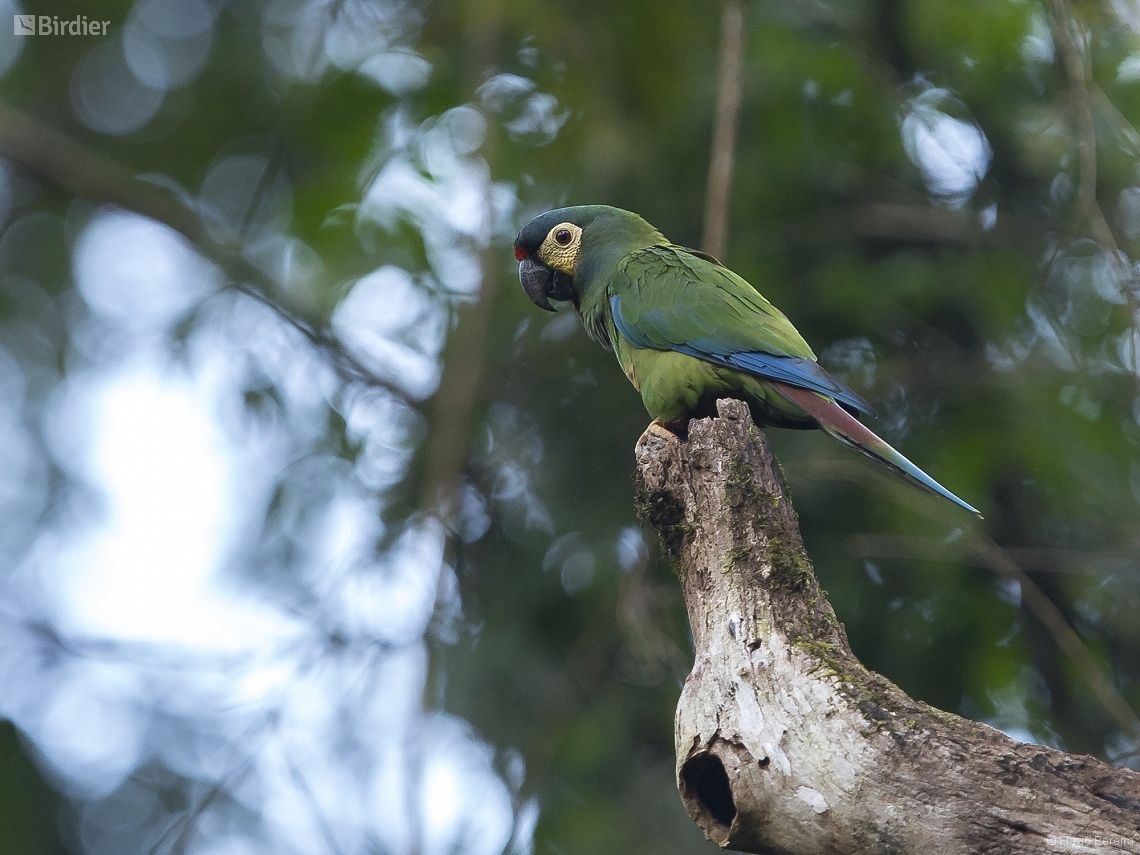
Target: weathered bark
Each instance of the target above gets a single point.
(785, 742)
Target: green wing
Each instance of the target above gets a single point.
(666, 298)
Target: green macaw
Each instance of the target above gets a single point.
(687, 330)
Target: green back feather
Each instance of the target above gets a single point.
(675, 298)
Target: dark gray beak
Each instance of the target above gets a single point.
(542, 284)
(536, 279)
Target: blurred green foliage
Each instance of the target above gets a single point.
(27, 804)
(987, 327)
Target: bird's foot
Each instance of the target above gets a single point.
(678, 429)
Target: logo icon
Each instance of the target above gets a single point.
(24, 25)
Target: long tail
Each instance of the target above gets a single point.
(848, 430)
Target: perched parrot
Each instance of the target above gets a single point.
(687, 330)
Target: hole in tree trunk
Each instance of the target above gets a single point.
(706, 782)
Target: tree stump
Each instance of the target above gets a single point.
(785, 742)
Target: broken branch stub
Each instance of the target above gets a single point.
(785, 742)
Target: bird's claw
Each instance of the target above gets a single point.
(659, 429)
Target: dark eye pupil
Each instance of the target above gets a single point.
(562, 236)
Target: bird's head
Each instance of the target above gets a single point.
(547, 250)
(557, 250)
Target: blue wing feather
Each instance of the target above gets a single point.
(793, 370)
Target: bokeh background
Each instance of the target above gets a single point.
(316, 536)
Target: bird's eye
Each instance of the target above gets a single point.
(562, 237)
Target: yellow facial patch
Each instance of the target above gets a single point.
(560, 249)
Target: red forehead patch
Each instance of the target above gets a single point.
(520, 253)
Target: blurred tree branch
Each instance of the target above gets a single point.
(86, 175)
(1065, 636)
(715, 238)
(910, 223)
(453, 404)
(986, 553)
(1082, 89)
(1075, 67)
(452, 408)
(785, 742)
(1034, 559)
